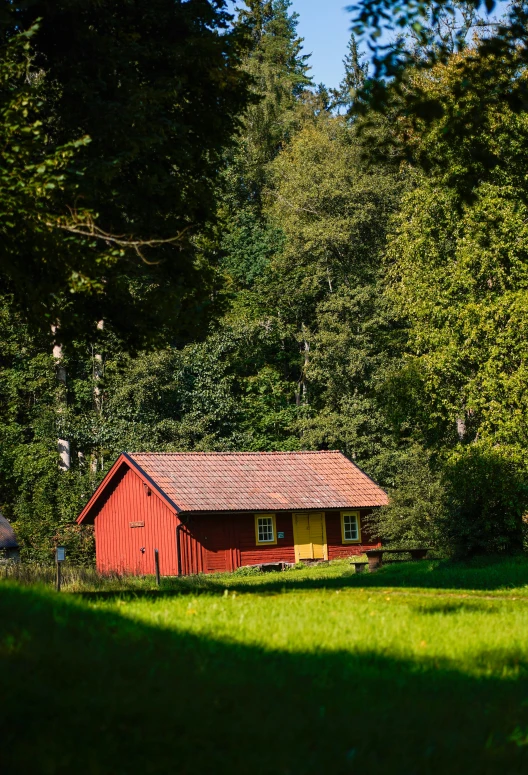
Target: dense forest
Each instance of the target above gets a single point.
(204, 250)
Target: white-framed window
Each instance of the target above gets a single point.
(265, 532)
(350, 527)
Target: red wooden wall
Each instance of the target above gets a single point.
(118, 546)
(336, 548)
(219, 542)
(208, 543)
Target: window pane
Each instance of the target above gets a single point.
(351, 527)
(265, 529)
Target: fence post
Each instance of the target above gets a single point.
(60, 556)
(156, 563)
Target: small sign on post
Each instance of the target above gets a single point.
(60, 556)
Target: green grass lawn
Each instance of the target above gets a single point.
(419, 668)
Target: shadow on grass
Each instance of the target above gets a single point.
(88, 691)
(445, 609)
(484, 574)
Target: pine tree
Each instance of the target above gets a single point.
(279, 71)
(356, 71)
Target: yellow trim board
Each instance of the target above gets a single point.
(265, 543)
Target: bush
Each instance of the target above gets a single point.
(486, 498)
(247, 570)
(79, 541)
(416, 508)
(471, 503)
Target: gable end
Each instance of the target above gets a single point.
(123, 464)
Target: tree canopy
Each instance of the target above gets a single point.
(236, 259)
(115, 119)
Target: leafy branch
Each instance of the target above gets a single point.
(84, 225)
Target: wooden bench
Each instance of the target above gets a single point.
(359, 565)
(375, 556)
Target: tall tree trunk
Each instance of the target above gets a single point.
(301, 395)
(306, 348)
(98, 372)
(63, 445)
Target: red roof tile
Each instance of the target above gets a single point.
(259, 481)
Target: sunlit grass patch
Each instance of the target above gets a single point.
(343, 673)
(480, 635)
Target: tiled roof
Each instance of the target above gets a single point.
(259, 481)
(8, 538)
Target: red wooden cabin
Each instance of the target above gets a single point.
(207, 512)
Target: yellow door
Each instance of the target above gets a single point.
(301, 537)
(309, 535)
(317, 534)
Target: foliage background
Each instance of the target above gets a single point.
(352, 279)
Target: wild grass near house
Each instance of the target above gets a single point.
(308, 671)
(497, 576)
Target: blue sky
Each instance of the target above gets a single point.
(325, 26)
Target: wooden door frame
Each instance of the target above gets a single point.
(296, 543)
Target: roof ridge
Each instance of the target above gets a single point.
(249, 481)
(274, 452)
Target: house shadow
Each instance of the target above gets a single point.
(90, 691)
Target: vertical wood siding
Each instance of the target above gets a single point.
(224, 542)
(208, 543)
(221, 542)
(336, 547)
(118, 546)
(251, 554)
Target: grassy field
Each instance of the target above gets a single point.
(419, 668)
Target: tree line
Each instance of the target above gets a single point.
(204, 250)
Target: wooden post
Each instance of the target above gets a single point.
(58, 580)
(156, 563)
(60, 556)
(375, 559)
(178, 549)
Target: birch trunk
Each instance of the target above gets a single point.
(305, 366)
(63, 445)
(98, 372)
(301, 395)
